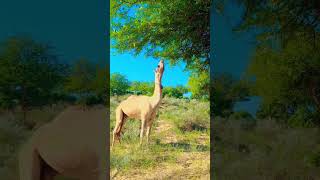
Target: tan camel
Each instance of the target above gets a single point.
(140, 107)
(73, 145)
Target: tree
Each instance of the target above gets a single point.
(100, 83)
(81, 78)
(280, 20)
(286, 61)
(119, 84)
(174, 30)
(145, 88)
(176, 92)
(198, 85)
(30, 73)
(225, 92)
(290, 77)
(88, 82)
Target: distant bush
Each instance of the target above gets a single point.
(314, 159)
(187, 115)
(176, 92)
(301, 118)
(119, 84)
(92, 100)
(247, 122)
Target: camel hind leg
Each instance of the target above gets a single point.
(118, 126)
(29, 163)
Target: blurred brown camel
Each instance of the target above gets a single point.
(140, 107)
(73, 145)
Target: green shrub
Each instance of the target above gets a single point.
(247, 122)
(189, 116)
(301, 118)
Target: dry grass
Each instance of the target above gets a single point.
(268, 151)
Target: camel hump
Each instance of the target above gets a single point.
(119, 109)
(132, 97)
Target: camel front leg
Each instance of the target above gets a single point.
(143, 121)
(118, 125)
(148, 132)
(149, 125)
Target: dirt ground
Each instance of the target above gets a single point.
(189, 165)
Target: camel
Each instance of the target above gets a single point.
(73, 145)
(140, 107)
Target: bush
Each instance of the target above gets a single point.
(247, 122)
(314, 159)
(301, 118)
(90, 100)
(187, 115)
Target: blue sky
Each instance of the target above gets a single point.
(75, 28)
(141, 68)
(79, 30)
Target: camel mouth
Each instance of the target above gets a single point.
(160, 67)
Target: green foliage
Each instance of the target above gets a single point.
(286, 62)
(88, 82)
(100, 83)
(287, 78)
(30, 73)
(119, 84)
(174, 30)
(198, 85)
(176, 92)
(145, 88)
(187, 115)
(241, 115)
(302, 117)
(247, 122)
(280, 20)
(81, 78)
(314, 157)
(225, 92)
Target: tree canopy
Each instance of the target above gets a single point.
(178, 31)
(145, 88)
(176, 92)
(87, 81)
(285, 64)
(119, 84)
(30, 73)
(226, 91)
(174, 30)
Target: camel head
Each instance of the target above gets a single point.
(158, 72)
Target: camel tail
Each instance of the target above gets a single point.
(29, 163)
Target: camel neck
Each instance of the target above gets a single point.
(157, 93)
